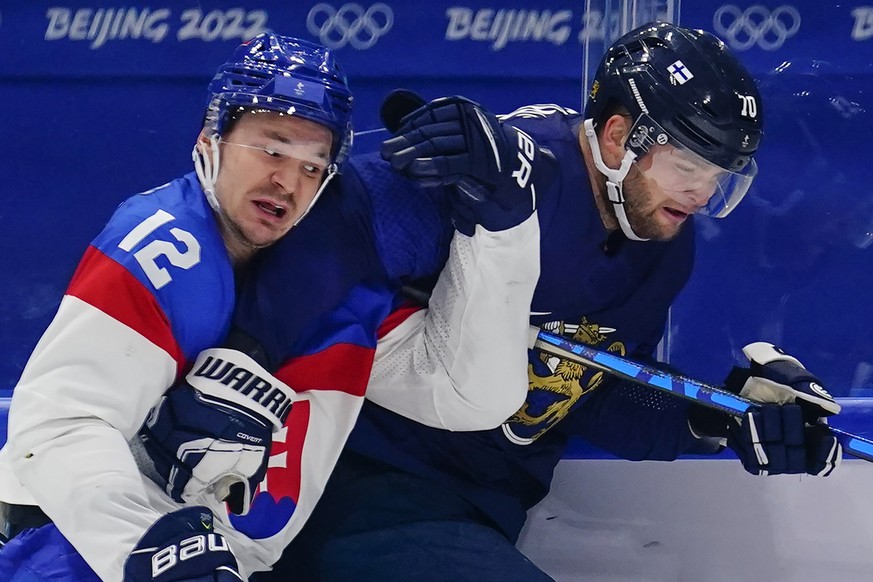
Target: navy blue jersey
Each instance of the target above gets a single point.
(370, 228)
(604, 290)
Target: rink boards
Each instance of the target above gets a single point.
(701, 521)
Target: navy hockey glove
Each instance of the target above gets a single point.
(789, 432)
(182, 546)
(453, 141)
(212, 433)
(775, 439)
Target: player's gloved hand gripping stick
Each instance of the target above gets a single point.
(810, 398)
(788, 433)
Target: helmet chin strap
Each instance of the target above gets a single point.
(206, 167)
(332, 171)
(614, 179)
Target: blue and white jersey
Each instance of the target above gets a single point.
(594, 287)
(170, 252)
(154, 289)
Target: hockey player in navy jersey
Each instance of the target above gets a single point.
(236, 456)
(670, 130)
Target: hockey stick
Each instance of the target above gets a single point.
(694, 390)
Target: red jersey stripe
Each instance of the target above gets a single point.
(397, 317)
(100, 282)
(342, 367)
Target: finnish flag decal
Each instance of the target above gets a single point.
(679, 73)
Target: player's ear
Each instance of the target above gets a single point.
(203, 141)
(615, 131)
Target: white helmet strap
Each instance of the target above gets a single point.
(206, 166)
(331, 172)
(614, 179)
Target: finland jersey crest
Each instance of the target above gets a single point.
(556, 385)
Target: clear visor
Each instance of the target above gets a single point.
(278, 147)
(695, 184)
(310, 154)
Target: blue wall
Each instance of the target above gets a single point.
(100, 101)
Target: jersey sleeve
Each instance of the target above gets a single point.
(411, 225)
(636, 422)
(115, 345)
(461, 363)
(169, 243)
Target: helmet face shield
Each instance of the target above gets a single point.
(309, 154)
(282, 146)
(694, 183)
(224, 103)
(289, 75)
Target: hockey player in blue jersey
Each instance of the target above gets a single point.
(260, 424)
(670, 130)
(154, 289)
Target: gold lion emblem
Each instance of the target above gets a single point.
(552, 396)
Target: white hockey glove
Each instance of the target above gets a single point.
(211, 434)
(775, 377)
(182, 546)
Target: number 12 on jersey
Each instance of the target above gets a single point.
(147, 255)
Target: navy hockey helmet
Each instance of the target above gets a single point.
(689, 83)
(696, 111)
(288, 75)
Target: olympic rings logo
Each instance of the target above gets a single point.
(351, 24)
(756, 25)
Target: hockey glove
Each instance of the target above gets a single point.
(788, 433)
(182, 546)
(776, 377)
(775, 439)
(453, 141)
(212, 433)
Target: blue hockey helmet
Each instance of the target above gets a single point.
(285, 74)
(690, 84)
